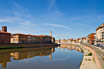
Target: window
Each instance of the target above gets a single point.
(103, 35)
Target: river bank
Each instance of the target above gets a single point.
(97, 55)
(12, 46)
(89, 61)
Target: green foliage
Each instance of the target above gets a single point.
(103, 57)
(90, 54)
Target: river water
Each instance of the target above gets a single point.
(40, 58)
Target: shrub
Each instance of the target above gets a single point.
(90, 54)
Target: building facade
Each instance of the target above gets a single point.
(58, 41)
(100, 34)
(91, 38)
(84, 40)
(78, 40)
(64, 41)
(27, 38)
(71, 41)
(4, 35)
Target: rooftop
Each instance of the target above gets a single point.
(4, 32)
(30, 35)
(101, 26)
(84, 38)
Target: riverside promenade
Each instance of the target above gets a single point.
(98, 55)
(88, 61)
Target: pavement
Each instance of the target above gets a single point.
(88, 62)
(99, 53)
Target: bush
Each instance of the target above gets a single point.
(90, 54)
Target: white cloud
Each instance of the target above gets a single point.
(3, 20)
(20, 16)
(52, 4)
(15, 20)
(59, 26)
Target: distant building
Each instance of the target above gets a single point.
(78, 40)
(57, 41)
(50, 33)
(52, 38)
(91, 38)
(27, 38)
(64, 41)
(71, 41)
(4, 35)
(84, 40)
(100, 34)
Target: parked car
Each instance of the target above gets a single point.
(103, 46)
(99, 45)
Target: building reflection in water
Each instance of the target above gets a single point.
(71, 47)
(19, 54)
(4, 58)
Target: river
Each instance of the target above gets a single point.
(40, 58)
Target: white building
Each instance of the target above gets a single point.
(84, 40)
(100, 34)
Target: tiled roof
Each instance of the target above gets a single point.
(72, 39)
(5, 33)
(101, 26)
(20, 34)
(92, 34)
(78, 38)
(30, 35)
(84, 38)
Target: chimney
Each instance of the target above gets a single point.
(4, 28)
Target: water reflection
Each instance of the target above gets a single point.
(19, 54)
(40, 58)
(72, 47)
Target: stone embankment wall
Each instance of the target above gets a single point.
(26, 45)
(95, 57)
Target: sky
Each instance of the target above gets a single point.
(65, 18)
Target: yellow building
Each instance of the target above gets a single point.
(64, 41)
(27, 38)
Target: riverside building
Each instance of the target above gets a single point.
(84, 40)
(100, 34)
(4, 35)
(27, 38)
(91, 38)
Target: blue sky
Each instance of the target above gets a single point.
(65, 18)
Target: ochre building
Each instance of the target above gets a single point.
(27, 38)
(91, 38)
